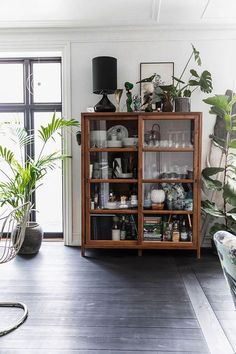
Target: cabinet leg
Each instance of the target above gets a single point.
(82, 250)
(198, 253)
(140, 253)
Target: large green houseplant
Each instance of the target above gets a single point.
(219, 182)
(20, 175)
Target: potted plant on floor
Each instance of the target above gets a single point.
(219, 182)
(183, 86)
(20, 176)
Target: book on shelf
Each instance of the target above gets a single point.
(152, 228)
(148, 238)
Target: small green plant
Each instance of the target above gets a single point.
(24, 175)
(222, 179)
(185, 87)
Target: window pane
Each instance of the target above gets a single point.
(47, 82)
(8, 121)
(11, 88)
(49, 195)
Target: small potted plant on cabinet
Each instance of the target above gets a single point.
(182, 88)
(22, 175)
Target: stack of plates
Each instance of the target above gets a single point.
(114, 143)
(129, 142)
(125, 175)
(111, 205)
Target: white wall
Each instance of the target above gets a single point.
(130, 47)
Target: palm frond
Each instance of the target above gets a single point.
(47, 132)
(6, 154)
(23, 137)
(26, 174)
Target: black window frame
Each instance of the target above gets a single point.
(29, 108)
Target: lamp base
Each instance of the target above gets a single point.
(104, 105)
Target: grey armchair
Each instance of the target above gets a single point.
(226, 247)
(11, 238)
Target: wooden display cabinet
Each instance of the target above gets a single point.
(164, 152)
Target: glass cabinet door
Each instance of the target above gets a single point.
(113, 227)
(168, 180)
(167, 133)
(112, 175)
(110, 133)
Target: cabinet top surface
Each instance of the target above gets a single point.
(143, 114)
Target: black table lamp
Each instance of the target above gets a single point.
(104, 82)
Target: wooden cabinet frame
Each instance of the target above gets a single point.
(140, 118)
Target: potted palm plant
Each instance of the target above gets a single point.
(184, 86)
(20, 175)
(219, 182)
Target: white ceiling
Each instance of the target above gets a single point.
(93, 13)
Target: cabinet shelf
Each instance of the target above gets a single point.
(161, 211)
(165, 180)
(113, 211)
(148, 161)
(162, 149)
(121, 149)
(113, 180)
(144, 245)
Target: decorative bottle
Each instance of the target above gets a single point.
(133, 228)
(167, 232)
(123, 229)
(175, 233)
(183, 232)
(115, 229)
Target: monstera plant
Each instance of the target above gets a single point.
(220, 181)
(189, 79)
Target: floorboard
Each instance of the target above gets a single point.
(109, 302)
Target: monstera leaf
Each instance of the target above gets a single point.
(187, 93)
(229, 193)
(178, 80)
(232, 213)
(196, 54)
(194, 73)
(204, 81)
(211, 183)
(211, 209)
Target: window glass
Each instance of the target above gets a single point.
(8, 121)
(8, 138)
(49, 195)
(47, 82)
(11, 88)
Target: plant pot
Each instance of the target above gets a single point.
(182, 104)
(33, 239)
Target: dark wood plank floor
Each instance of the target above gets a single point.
(210, 276)
(109, 303)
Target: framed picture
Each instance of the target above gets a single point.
(164, 69)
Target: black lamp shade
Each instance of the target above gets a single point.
(104, 75)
